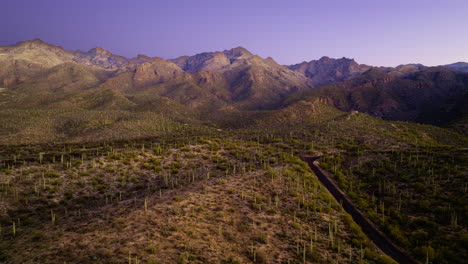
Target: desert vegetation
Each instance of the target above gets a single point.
(197, 159)
(167, 200)
(417, 197)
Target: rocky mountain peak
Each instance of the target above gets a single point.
(341, 61)
(237, 52)
(155, 71)
(206, 61)
(100, 51)
(270, 61)
(327, 70)
(33, 43)
(326, 59)
(38, 45)
(142, 57)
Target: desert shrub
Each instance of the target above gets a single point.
(151, 249)
(230, 260)
(52, 174)
(260, 238)
(376, 257)
(423, 252)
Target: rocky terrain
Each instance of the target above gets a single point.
(327, 70)
(233, 80)
(197, 159)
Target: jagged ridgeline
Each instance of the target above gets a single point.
(197, 159)
(232, 88)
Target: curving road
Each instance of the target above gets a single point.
(379, 239)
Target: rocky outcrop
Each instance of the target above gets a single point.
(242, 78)
(435, 95)
(327, 70)
(155, 71)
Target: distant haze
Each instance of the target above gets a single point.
(374, 32)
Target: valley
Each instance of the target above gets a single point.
(105, 159)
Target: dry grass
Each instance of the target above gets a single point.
(267, 214)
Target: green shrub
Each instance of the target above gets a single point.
(52, 174)
(380, 259)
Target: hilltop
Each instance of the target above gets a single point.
(197, 159)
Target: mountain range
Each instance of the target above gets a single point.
(200, 159)
(37, 75)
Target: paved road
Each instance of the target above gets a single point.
(379, 239)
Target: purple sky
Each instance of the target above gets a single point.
(375, 32)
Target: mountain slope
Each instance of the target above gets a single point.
(433, 95)
(25, 59)
(210, 202)
(46, 87)
(459, 66)
(105, 159)
(35, 74)
(403, 70)
(247, 81)
(327, 70)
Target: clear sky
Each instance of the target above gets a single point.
(375, 32)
